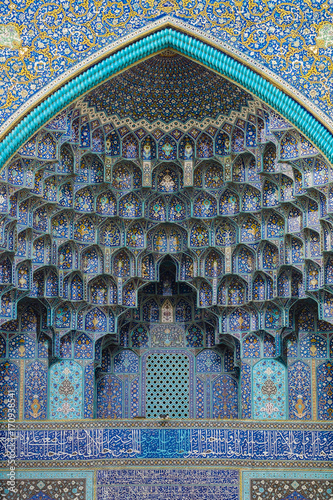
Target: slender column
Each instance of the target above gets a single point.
(146, 178)
(21, 391)
(314, 389)
(188, 173)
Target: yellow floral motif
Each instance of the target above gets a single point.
(21, 349)
(290, 39)
(167, 6)
(35, 407)
(300, 407)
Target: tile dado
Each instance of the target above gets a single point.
(159, 484)
(172, 483)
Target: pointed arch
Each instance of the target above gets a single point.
(199, 50)
(269, 158)
(204, 146)
(130, 147)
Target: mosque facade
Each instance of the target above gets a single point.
(166, 251)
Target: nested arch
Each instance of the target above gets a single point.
(199, 236)
(99, 292)
(262, 287)
(167, 148)
(113, 144)
(41, 250)
(177, 209)
(73, 286)
(167, 238)
(271, 194)
(157, 209)
(204, 206)
(244, 260)
(67, 256)
(269, 158)
(85, 230)
(147, 267)
(274, 226)
(232, 291)
(135, 237)
(130, 146)
(110, 234)
(148, 148)
(126, 175)
(122, 263)
(204, 146)
(167, 177)
(130, 206)
(214, 263)
(90, 170)
(6, 269)
(269, 256)
(186, 148)
(229, 202)
(92, 260)
(60, 226)
(250, 230)
(226, 233)
(106, 204)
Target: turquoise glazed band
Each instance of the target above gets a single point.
(189, 46)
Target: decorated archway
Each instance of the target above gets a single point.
(152, 158)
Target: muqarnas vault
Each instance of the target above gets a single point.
(149, 270)
(167, 250)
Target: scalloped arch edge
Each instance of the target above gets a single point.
(188, 46)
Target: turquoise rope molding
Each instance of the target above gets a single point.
(189, 46)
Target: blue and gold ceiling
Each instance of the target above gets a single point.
(164, 89)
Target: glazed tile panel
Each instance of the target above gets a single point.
(171, 484)
(159, 483)
(88, 444)
(49, 485)
(290, 490)
(286, 485)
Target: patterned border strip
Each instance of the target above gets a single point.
(253, 105)
(189, 46)
(157, 462)
(172, 424)
(49, 474)
(259, 474)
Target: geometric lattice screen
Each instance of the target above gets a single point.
(167, 385)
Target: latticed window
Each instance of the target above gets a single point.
(167, 385)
